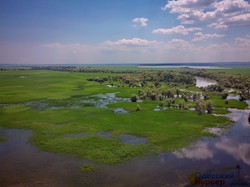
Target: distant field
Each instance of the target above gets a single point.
(245, 71)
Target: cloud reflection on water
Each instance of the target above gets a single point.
(198, 151)
(240, 151)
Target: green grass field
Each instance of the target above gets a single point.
(165, 130)
(236, 70)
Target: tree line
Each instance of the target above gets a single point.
(148, 78)
(169, 98)
(225, 80)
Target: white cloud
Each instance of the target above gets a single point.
(179, 44)
(187, 5)
(200, 36)
(134, 42)
(220, 14)
(140, 22)
(177, 30)
(220, 25)
(243, 42)
(231, 7)
(237, 20)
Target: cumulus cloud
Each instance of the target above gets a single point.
(219, 25)
(183, 6)
(237, 20)
(134, 42)
(177, 30)
(199, 36)
(140, 22)
(220, 14)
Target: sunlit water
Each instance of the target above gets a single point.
(203, 82)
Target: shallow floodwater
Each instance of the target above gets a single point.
(124, 138)
(22, 164)
(97, 100)
(203, 82)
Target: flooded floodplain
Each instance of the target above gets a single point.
(24, 164)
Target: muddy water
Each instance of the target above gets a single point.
(203, 82)
(22, 164)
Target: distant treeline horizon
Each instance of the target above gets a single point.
(234, 64)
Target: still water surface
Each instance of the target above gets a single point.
(203, 82)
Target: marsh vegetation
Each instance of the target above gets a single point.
(142, 112)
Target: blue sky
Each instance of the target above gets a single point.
(118, 31)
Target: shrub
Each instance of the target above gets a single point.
(138, 108)
(134, 98)
(87, 168)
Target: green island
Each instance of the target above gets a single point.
(109, 115)
(87, 168)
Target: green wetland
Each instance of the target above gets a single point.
(105, 124)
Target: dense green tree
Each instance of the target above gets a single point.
(178, 92)
(199, 107)
(134, 97)
(161, 104)
(181, 105)
(224, 95)
(168, 101)
(209, 107)
(206, 97)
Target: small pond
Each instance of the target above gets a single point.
(132, 139)
(120, 111)
(203, 82)
(236, 97)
